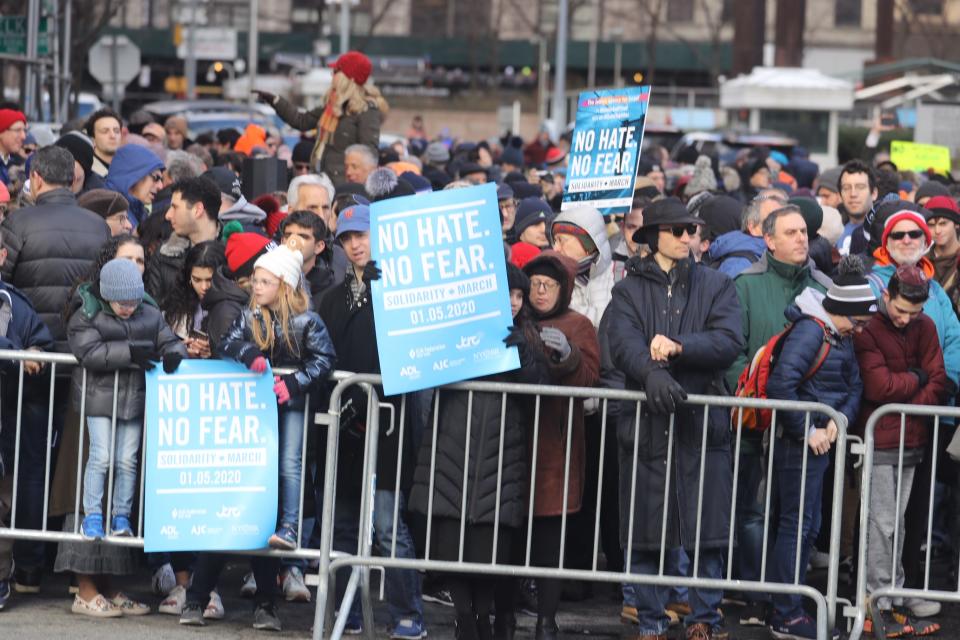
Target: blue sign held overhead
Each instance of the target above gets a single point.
(211, 458)
(605, 149)
(442, 306)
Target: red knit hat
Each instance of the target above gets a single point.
(555, 155)
(10, 116)
(354, 65)
(899, 216)
(243, 249)
(523, 252)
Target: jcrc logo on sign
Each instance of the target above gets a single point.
(469, 342)
(229, 512)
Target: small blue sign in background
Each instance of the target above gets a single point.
(442, 305)
(605, 149)
(211, 458)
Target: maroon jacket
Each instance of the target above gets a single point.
(886, 354)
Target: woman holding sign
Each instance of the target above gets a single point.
(572, 359)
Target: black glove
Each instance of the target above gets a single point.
(143, 354)
(171, 360)
(371, 272)
(921, 375)
(949, 389)
(515, 338)
(663, 392)
(266, 97)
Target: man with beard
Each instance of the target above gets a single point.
(905, 240)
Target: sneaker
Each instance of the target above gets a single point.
(265, 617)
(26, 580)
(173, 603)
(754, 614)
(248, 588)
(528, 597)
(819, 559)
(285, 538)
(919, 626)
(922, 608)
(699, 631)
(128, 606)
(800, 628)
(191, 615)
(680, 608)
(884, 623)
(354, 626)
(4, 593)
(439, 596)
(120, 527)
(92, 527)
(294, 589)
(164, 580)
(628, 615)
(74, 587)
(98, 607)
(408, 629)
(214, 609)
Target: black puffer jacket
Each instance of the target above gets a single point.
(698, 308)
(101, 342)
(50, 246)
(312, 354)
(484, 417)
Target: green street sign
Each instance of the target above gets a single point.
(13, 36)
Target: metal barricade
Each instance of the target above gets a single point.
(361, 562)
(863, 599)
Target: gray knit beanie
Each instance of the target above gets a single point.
(120, 280)
(703, 178)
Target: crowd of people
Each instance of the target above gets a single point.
(132, 246)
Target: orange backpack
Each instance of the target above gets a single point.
(752, 382)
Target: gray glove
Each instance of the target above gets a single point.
(554, 339)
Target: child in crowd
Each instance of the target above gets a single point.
(900, 361)
(118, 331)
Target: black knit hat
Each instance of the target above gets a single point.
(851, 293)
(80, 147)
(517, 279)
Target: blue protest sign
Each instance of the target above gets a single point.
(211, 458)
(442, 306)
(605, 149)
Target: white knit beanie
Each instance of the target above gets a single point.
(283, 262)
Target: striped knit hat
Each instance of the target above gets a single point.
(851, 293)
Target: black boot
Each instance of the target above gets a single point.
(504, 626)
(484, 630)
(466, 628)
(547, 629)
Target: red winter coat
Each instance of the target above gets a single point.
(885, 355)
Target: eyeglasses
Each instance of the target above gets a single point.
(848, 188)
(857, 324)
(544, 285)
(17, 129)
(913, 234)
(127, 304)
(266, 284)
(678, 230)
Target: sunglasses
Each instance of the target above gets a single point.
(914, 234)
(678, 230)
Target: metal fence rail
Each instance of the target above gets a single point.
(863, 599)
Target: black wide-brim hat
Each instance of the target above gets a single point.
(669, 211)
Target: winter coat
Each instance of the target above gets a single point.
(354, 336)
(101, 341)
(250, 216)
(591, 293)
(733, 252)
(50, 246)
(484, 412)
(319, 279)
(311, 355)
(821, 252)
(697, 307)
(885, 355)
(836, 383)
(580, 369)
(940, 310)
(224, 302)
(20, 328)
(765, 291)
(620, 255)
(947, 270)
(131, 164)
(358, 128)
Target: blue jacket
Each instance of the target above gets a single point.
(940, 310)
(735, 242)
(131, 164)
(836, 383)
